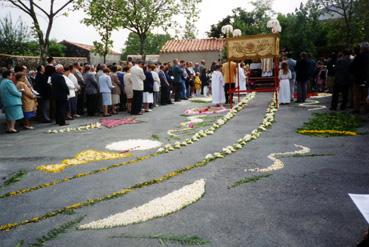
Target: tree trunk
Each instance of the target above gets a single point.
(142, 46)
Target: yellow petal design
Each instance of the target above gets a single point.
(82, 158)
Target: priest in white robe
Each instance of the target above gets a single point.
(217, 86)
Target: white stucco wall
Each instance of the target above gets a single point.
(96, 59)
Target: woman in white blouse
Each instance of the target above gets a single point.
(285, 76)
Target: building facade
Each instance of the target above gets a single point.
(195, 50)
(82, 50)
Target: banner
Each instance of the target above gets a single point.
(253, 47)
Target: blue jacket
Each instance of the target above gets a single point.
(105, 84)
(9, 94)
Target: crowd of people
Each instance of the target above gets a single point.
(65, 92)
(345, 74)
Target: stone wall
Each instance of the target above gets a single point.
(32, 62)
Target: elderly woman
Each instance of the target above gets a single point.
(28, 100)
(128, 88)
(116, 91)
(105, 86)
(11, 99)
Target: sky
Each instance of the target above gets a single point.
(70, 27)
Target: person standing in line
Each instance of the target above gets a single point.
(116, 91)
(157, 85)
(91, 90)
(44, 88)
(128, 88)
(165, 87)
(148, 96)
(292, 67)
(60, 92)
(229, 72)
(217, 85)
(72, 93)
(197, 84)
(123, 97)
(284, 87)
(342, 81)
(360, 71)
(11, 101)
(105, 87)
(73, 101)
(80, 92)
(302, 77)
(177, 74)
(137, 78)
(203, 76)
(29, 103)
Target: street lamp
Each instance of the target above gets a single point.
(227, 30)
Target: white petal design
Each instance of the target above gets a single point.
(131, 145)
(278, 164)
(158, 207)
(313, 105)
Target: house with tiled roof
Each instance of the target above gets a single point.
(193, 50)
(74, 49)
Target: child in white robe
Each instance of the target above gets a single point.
(217, 86)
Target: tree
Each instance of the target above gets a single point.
(140, 16)
(191, 15)
(154, 42)
(33, 9)
(56, 49)
(14, 36)
(253, 22)
(103, 16)
(344, 9)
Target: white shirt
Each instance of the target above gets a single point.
(71, 87)
(155, 75)
(73, 78)
(137, 78)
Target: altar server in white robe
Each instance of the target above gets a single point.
(285, 76)
(217, 86)
(242, 76)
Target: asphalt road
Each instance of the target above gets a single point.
(304, 204)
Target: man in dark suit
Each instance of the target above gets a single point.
(60, 92)
(302, 77)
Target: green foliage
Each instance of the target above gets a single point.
(56, 49)
(141, 16)
(249, 22)
(169, 239)
(103, 16)
(14, 36)
(154, 43)
(16, 177)
(191, 15)
(248, 180)
(155, 137)
(54, 233)
(333, 121)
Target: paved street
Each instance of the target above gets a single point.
(304, 204)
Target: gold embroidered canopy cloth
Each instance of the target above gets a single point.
(253, 47)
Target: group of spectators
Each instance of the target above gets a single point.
(345, 74)
(65, 92)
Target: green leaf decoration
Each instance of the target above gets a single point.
(16, 177)
(184, 240)
(339, 121)
(54, 233)
(248, 180)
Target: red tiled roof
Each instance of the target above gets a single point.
(87, 47)
(193, 45)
